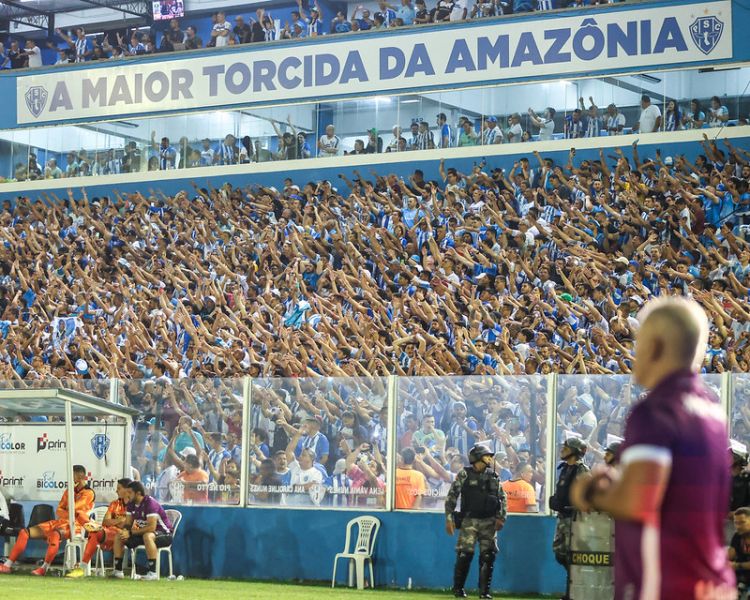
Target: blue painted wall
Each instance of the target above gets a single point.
(295, 544)
(288, 544)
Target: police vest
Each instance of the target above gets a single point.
(479, 494)
(560, 500)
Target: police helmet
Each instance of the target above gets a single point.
(739, 453)
(478, 452)
(577, 445)
(739, 459)
(613, 448)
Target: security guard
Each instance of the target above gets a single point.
(740, 478)
(611, 458)
(482, 515)
(570, 467)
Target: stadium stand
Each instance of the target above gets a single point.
(297, 22)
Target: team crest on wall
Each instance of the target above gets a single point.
(706, 33)
(36, 99)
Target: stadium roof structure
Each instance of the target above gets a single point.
(40, 14)
(53, 402)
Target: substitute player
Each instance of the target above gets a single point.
(104, 535)
(147, 524)
(671, 494)
(56, 531)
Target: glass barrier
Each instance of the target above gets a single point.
(594, 409)
(740, 408)
(440, 419)
(318, 442)
(186, 443)
(324, 442)
(566, 109)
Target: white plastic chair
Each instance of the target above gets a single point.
(175, 516)
(363, 549)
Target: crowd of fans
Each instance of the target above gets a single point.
(291, 143)
(306, 21)
(537, 269)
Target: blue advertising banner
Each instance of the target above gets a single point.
(418, 59)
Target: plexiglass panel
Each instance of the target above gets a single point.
(565, 109)
(318, 442)
(440, 419)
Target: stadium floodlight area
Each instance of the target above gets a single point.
(44, 432)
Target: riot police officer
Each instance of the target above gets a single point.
(482, 515)
(570, 467)
(740, 478)
(611, 458)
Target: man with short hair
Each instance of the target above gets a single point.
(59, 529)
(329, 143)
(242, 31)
(515, 131)
(410, 483)
(650, 119)
(739, 548)
(520, 491)
(546, 123)
(103, 534)
(146, 524)
(445, 131)
(221, 30)
(677, 431)
(313, 439)
(192, 41)
(33, 54)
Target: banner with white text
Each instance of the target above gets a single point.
(365, 64)
(33, 459)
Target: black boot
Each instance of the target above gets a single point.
(460, 572)
(486, 566)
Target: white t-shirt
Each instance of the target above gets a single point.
(332, 143)
(457, 14)
(713, 113)
(515, 132)
(647, 120)
(222, 40)
(35, 57)
(547, 129)
(301, 477)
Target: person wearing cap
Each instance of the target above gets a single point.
(571, 467)
(482, 515)
(491, 133)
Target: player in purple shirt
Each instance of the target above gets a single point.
(147, 525)
(671, 493)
